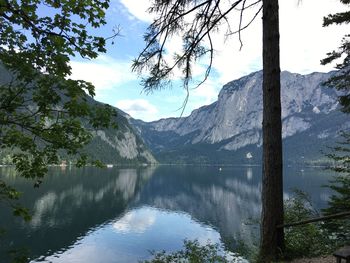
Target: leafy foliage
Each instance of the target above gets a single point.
(19, 255)
(342, 80)
(307, 240)
(11, 195)
(42, 111)
(193, 252)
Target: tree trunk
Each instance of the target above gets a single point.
(272, 239)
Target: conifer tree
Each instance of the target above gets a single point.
(340, 200)
(341, 81)
(196, 21)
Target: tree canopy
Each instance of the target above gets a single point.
(43, 112)
(340, 199)
(342, 56)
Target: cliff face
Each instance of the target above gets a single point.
(234, 121)
(117, 146)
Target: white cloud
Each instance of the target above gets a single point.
(208, 92)
(303, 40)
(104, 72)
(230, 62)
(139, 109)
(138, 9)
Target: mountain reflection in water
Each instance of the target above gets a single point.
(118, 215)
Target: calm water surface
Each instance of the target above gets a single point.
(119, 215)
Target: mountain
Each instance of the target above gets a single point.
(116, 146)
(230, 129)
(119, 146)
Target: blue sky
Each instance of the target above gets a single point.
(303, 43)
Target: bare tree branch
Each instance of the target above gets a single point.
(196, 21)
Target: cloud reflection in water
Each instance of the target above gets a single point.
(132, 236)
(136, 221)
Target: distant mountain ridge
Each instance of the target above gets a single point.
(119, 146)
(113, 146)
(229, 130)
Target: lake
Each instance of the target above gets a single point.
(119, 215)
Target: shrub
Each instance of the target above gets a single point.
(307, 240)
(193, 252)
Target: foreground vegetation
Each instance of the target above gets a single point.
(305, 241)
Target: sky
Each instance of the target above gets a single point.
(303, 43)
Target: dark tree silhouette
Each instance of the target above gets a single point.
(272, 239)
(196, 21)
(340, 200)
(342, 80)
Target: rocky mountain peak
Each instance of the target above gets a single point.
(234, 121)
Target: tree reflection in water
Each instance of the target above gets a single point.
(117, 215)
